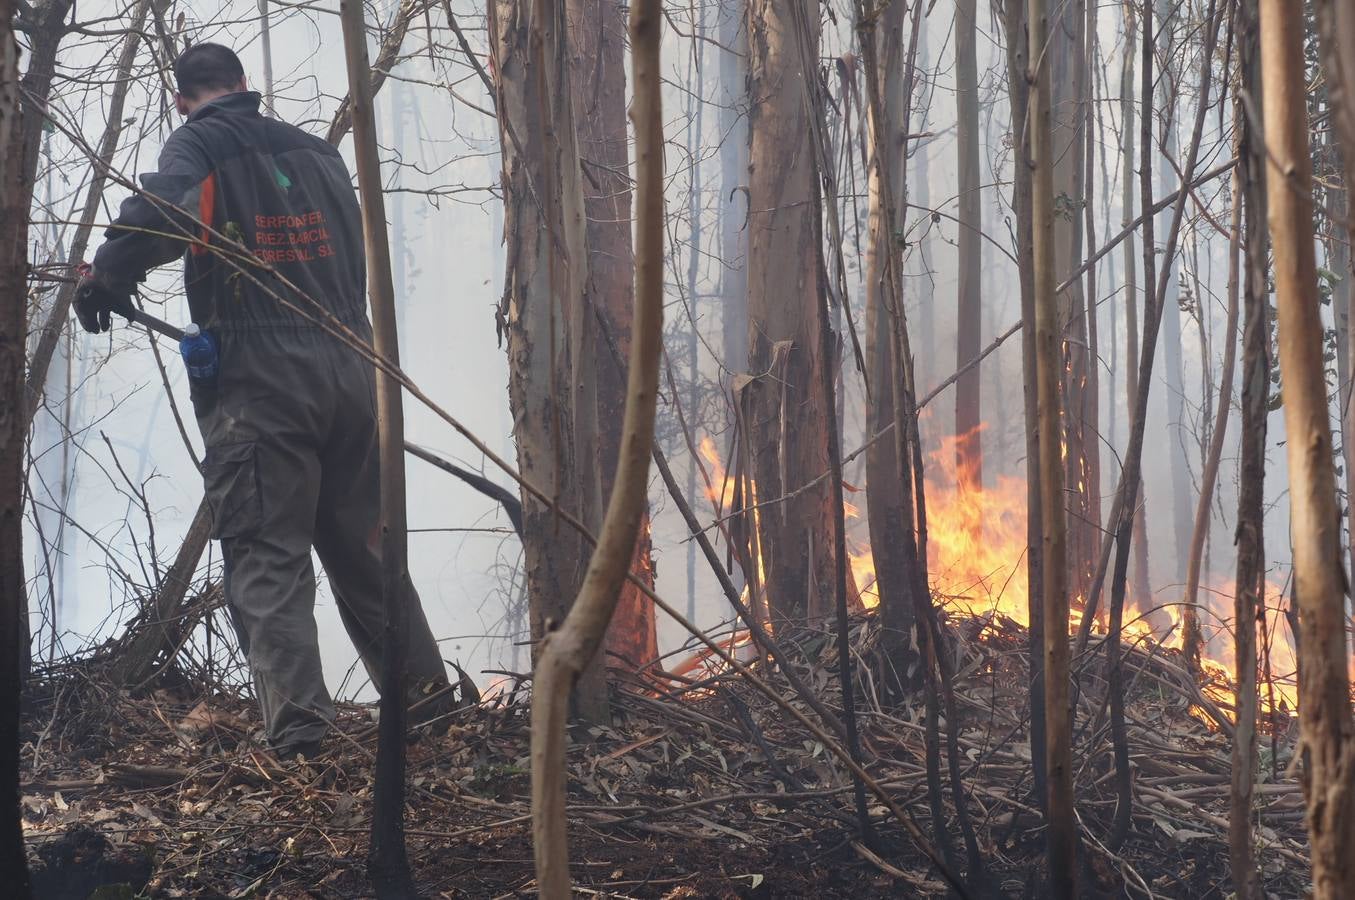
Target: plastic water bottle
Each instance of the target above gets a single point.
(198, 349)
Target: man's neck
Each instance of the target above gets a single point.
(202, 101)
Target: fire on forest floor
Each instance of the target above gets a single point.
(976, 543)
(703, 791)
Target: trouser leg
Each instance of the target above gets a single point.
(262, 477)
(347, 535)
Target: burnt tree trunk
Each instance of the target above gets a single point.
(387, 861)
(1249, 597)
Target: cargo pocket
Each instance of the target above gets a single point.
(231, 475)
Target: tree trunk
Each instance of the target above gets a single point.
(1339, 260)
(1014, 16)
(1215, 453)
(1336, 23)
(388, 862)
(550, 372)
(1249, 597)
(566, 653)
(969, 309)
(46, 26)
(884, 490)
(1167, 97)
(1069, 98)
(598, 82)
(918, 265)
(15, 191)
(784, 407)
(1060, 822)
(734, 216)
(1327, 731)
(1140, 592)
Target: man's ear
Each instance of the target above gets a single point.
(181, 103)
(243, 86)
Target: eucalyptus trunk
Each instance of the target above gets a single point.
(783, 406)
(598, 81)
(551, 372)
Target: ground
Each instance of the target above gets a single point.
(702, 789)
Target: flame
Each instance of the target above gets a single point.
(976, 557)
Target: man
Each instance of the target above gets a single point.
(290, 421)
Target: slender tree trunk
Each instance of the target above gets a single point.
(1155, 294)
(550, 374)
(1249, 596)
(598, 81)
(1091, 400)
(845, 667)
(266, 47)
(1060, 822)
(388, 863)
(1067, 53)
(969, 313)
(1140, 593)
(918, 264)
(46, 21)
(885, 512)
(1336, 23)
(695, 75)
(1327, 731)
(1215, 453)
(1167, 97)
(734, 217)
(567, 651)
(1018, 73)
(1339, 260)
(784, 408)
(15, 191)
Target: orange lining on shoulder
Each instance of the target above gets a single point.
(206, 209)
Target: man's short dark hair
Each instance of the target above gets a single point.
(207, 67)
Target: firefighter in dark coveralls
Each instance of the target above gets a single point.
(290, 425)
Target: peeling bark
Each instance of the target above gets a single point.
(542, 312)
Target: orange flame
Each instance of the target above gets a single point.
(976, 555)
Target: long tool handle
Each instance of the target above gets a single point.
(158, 325)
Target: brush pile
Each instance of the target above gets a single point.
(703, 789)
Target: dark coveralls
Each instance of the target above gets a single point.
(290, 428)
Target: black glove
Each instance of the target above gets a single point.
(95, 299)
